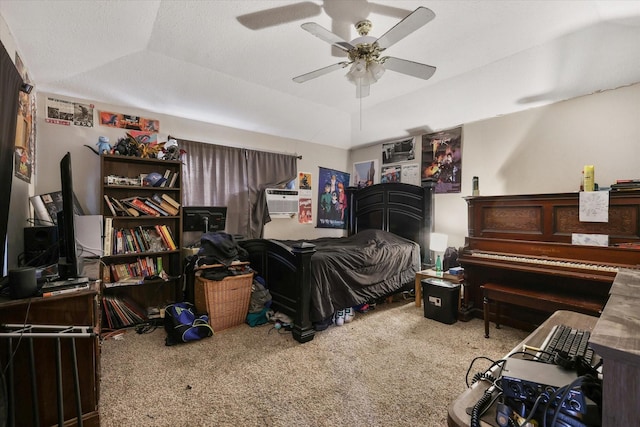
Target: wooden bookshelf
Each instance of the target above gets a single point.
(123, 179)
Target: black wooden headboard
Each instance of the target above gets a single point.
(403, 209)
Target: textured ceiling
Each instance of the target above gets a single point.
(231, 62)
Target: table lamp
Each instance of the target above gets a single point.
(438, 244)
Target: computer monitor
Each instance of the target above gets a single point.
(204, 218)
(68, 265)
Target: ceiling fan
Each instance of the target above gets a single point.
(364, 52)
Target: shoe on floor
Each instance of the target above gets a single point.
(349, 314)
(362, 308)
(323, 324)
(340, 317)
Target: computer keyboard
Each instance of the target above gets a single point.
(570, 341)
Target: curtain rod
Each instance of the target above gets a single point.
(296, 155)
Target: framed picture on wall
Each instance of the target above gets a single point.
(442, 159)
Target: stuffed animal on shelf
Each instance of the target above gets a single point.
(104, 147)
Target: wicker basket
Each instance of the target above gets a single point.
(226, 301)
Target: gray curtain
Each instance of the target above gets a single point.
(216, 175)
(10, 82)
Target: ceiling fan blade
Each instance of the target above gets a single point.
(279, 15)
(408, 25)
(394, 12)
(328, 36)
(415, 69)
(319, 72)
(362, 91)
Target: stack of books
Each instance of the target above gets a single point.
(156, 205)
(626, 185)
(121, 312)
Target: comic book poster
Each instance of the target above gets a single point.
(442, 159)
(365, 173)
(332, 199)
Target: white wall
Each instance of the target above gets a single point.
(53, 141)
(541, 150)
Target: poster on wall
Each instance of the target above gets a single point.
(304, 210)
(398, 151)
(410, 174)
(67, 113)
(83, 115)
(305, 205)
(59, 112)
(365, 173)
(25, 147)
(442, 159)
(126, 121)
(332, 200)
(391, 173)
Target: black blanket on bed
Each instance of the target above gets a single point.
(352, 270)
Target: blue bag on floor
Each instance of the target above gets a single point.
(182, 324)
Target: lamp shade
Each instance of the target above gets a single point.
(438, 242)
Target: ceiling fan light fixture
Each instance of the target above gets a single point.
(358, 69)
(365, 73)
(376, 70)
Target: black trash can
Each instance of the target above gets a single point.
(440, 300)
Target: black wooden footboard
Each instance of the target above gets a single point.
(286, 270)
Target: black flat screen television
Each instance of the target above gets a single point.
(204, 218)
(68, 265)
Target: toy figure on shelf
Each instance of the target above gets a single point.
(171, 151)
(104, 147)
(127, 147)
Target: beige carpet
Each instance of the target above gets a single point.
(389, 367)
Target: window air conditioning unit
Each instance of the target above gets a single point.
(281, 202)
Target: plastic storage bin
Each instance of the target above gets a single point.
(440, 300)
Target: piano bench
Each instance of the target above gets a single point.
(540, 300)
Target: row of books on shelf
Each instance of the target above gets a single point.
(168, 180)
(135, 272)
(121, 312)
(156, 205)
(626, 185)
(148, 238)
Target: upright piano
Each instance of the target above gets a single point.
(524, 241)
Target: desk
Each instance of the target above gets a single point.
(616, 339)
(457, 413)
(78, 308)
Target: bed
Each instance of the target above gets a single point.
(387, 242)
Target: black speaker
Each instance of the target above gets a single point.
(22, 282)
(41, 245)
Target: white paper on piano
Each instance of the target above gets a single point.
(594, 206)
(589, 239)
